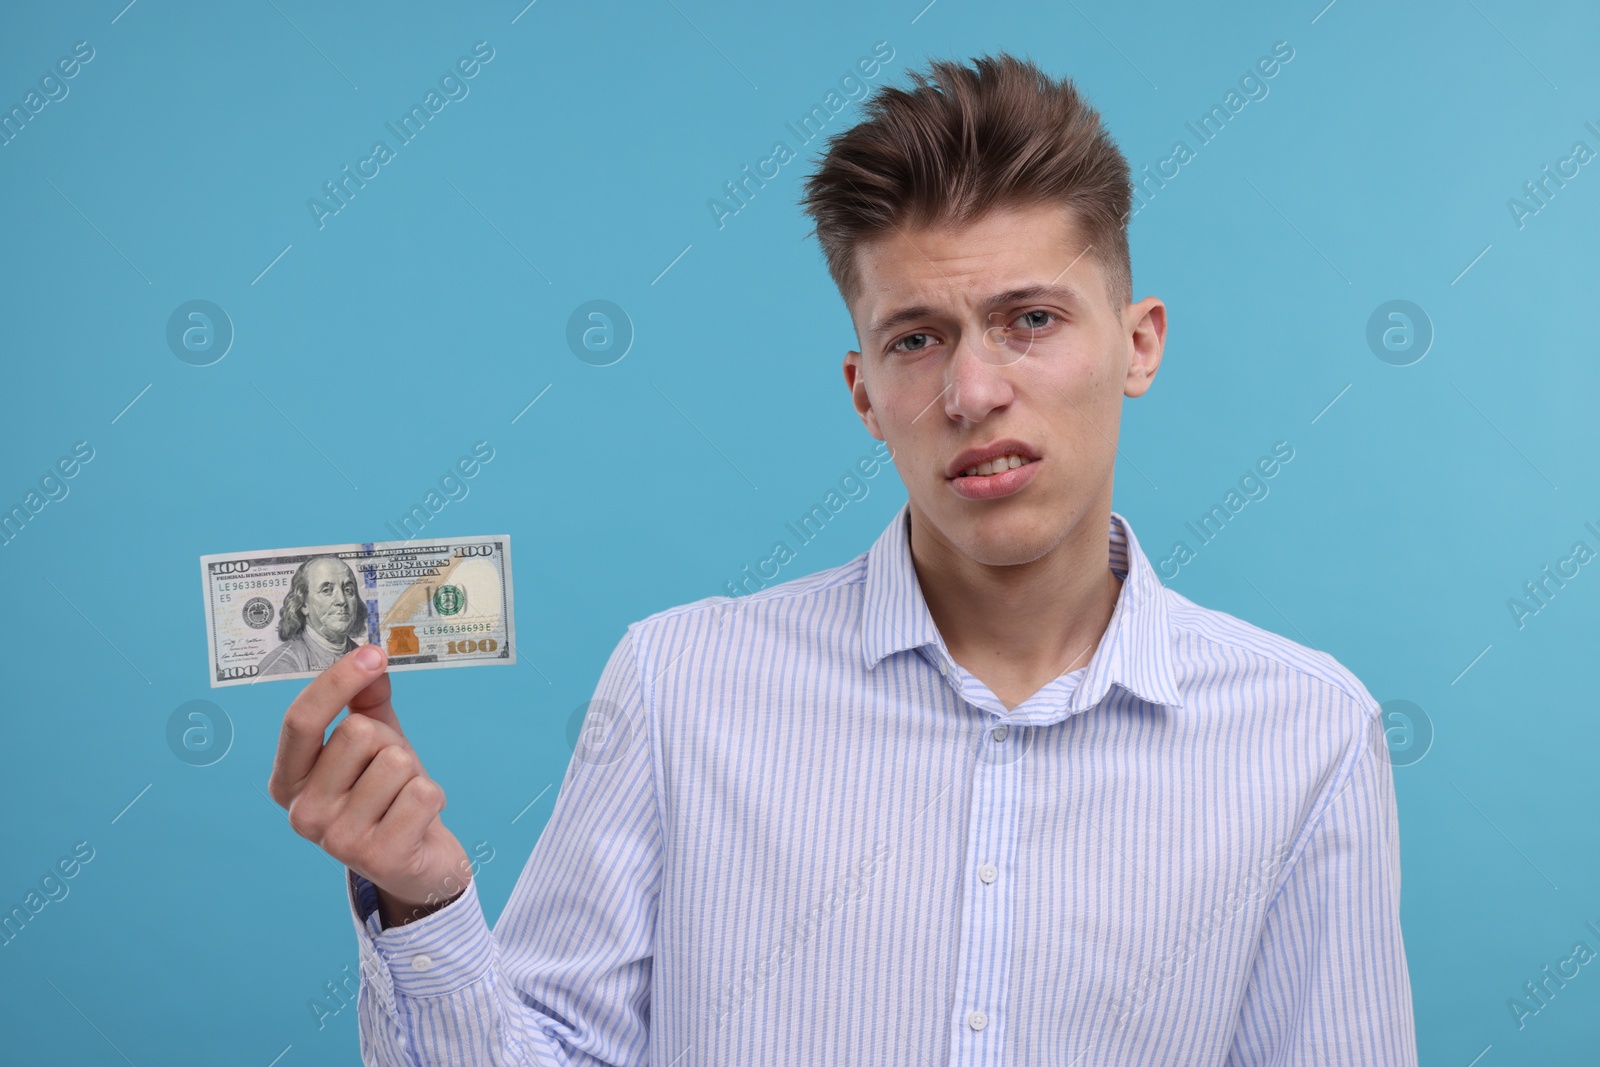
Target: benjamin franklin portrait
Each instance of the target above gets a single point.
(322, 615)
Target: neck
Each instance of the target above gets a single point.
(1025, 622)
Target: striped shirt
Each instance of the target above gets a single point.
(797, 832)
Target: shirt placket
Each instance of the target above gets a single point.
(988, 897)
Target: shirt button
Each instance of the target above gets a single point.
(998, 733)
(988, 873)
(977, 1020)
(421, 962)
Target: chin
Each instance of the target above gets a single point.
(999, 536)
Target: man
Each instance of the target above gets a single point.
(320, 615)
(987, 793)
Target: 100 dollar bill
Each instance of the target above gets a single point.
(290, 612)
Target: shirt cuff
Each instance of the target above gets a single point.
(438, 954)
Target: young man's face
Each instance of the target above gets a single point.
(999, 330)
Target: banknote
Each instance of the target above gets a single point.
(290, 612)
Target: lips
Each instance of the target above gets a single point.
(994, 486)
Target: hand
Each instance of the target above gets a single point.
(363, 797)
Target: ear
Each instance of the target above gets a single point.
(1147, 332)
(856, 382)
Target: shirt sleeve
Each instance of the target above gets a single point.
(564, 977)
(1330, 985)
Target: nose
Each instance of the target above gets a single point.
(976, 377)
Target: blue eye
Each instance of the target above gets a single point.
(904, 344)
(1032, 325)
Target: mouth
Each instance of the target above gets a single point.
(992, 459)
(999, 477)
(998, 465)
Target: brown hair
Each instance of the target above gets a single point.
(1000, 133)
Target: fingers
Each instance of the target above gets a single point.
(364, 770)
(319, 703)
(383, 829)
(373, 701)
(362, 795)
(391, 769)
(355, 743)
(414, 810)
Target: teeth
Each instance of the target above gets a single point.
(994, 466)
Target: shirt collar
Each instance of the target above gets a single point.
(1135, 653)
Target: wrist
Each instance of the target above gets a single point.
(393, 911)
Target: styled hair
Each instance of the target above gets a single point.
(965, 140)
(290, 619)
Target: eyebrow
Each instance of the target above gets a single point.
(1063, 294)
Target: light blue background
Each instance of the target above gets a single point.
(376, 350)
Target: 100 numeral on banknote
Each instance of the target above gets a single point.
(288, 613)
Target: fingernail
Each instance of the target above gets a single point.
(369, 657)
